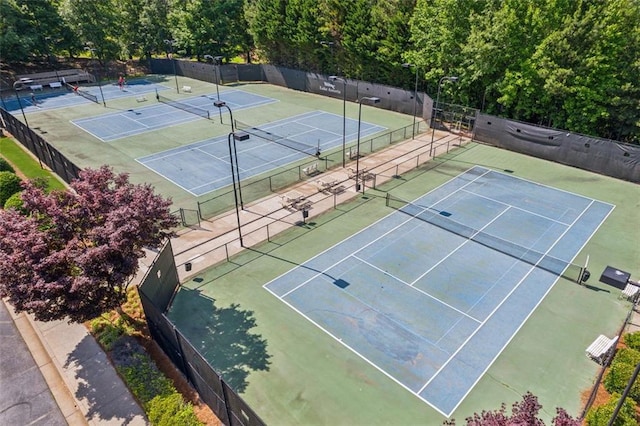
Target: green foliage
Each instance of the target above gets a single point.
(14, 202)
(144, 379)
(10, 183)
(24, 162)
(600, 416)
(632, 340)
(622, 367)
(107, 332)
(169, 410)
(5, 166)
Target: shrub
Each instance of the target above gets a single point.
(622, 367)
(14, 202)
(10, 183)
(600, 416)
(632, 340)
(139, 371)
(5, 166)
(107, 332)
(171, 410)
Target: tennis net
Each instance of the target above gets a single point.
(184, 106)
(540, 260)
(81, 92)
(281, 140)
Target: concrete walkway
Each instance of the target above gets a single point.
(85, 385)
(82, 380)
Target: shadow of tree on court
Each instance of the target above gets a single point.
(222, 335)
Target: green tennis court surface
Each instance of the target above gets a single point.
(291, 371)
(63, 98)
(133, 121)
(204, 166)
(431, 307)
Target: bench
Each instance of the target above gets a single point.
(311, 170)
(186, 89)
(141, 99)
(327, 184)
(36, 87)
(630, 292)
(600, 349)
(55, 85)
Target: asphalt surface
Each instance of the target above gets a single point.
(25, 397)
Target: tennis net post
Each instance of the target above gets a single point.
(313, 151)
(537, 259)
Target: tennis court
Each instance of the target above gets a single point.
(431, 294)
(134, 121)
(204, 166)
(63, 98)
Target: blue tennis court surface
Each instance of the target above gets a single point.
(204, 166)
(430, 308)
(62, 98)
(110, 127)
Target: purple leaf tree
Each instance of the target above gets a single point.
(523, 413)
(72, 255)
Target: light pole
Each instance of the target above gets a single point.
(216, 61)
(415, 98)
(220, 105)
(236, 136)
(344, 113)
(368, 99)
(91, 50)
(171, 43)
(435, 110)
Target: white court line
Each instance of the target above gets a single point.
(410, 218)
(465, 242)
(533, 268)
(415, 288)
(517, 208)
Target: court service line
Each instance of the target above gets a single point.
(360, 232)
(549, 186)
(365, 359)
(372, 241)
(415, 288)
(467, 240)
(533, 268)
(517, 208)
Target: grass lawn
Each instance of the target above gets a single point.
(26, 164)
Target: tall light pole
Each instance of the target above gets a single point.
(171, 43)
(372, 100)
(236, 136)
(435, 110)
(216, 61)
(344, 114)
(220, 105)
(92, 50)
(415, 99)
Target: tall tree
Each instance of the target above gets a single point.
(96, 22)
(71, 257)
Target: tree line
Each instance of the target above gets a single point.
(571, 64)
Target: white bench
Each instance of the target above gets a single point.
(630, 292)
(141, 99)
(601, 348)
(186, 89)
(55, 85)
(36, 87)
(310, 170)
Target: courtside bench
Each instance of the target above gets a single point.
(601, 348)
